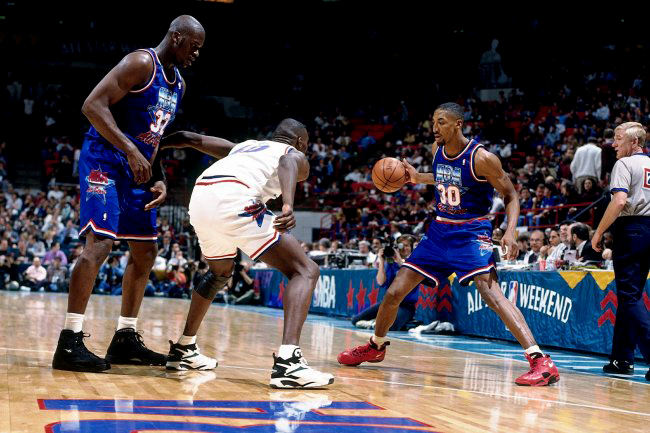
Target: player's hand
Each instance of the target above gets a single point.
(509, 246)
(286, 221)
(411, 172)
(595, 242)
(159, 190)
(139, 166)
(380, 254)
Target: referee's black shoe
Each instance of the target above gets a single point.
(619, 367)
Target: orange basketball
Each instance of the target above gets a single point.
(389, 174)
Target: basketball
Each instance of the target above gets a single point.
(389, 174)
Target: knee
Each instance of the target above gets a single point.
(488, 296)
(313, 271)
(309, 270)
(394, 295)
(95, 255)
(144, 257)
(210, 285)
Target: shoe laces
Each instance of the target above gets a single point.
(361, 350)
(80, 343)
(534, 362)
(139, 339)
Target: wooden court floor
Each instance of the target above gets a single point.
(418, 387)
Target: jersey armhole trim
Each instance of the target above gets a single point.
(625, 190)
(471, 164)
(153, 76)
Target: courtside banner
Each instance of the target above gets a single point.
(572, 309)
(345, 293)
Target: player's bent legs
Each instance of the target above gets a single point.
(289, 258)
(85, 271)
(488, 286)
(203, 295)
(375, 349)
(136, 275)
(543, 370)
(404, 282)
(290, 369)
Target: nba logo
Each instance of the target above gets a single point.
(646, 177)
(513, 289)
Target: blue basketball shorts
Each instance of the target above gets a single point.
(112, 204)
(464, 248)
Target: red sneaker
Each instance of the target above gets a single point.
(369, 352)
(542, 372)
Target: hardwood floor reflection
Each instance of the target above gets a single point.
(417, 387)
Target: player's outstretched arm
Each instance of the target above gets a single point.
(293, 168)
(488, 166)
(213, 146)
(134, 71)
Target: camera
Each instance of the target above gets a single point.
(389, 245)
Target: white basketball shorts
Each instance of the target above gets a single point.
(226, 216)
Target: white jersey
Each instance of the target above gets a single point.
(253, 163)
(632, 175)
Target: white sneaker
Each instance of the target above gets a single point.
(366, 324)
(296, 373)
(188, 358)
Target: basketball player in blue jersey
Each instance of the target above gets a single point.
(459, 240)
(121, 186)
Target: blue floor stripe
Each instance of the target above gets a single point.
(567, 360)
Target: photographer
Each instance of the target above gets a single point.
(389, 259)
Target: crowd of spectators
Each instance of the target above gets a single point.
(555, 143)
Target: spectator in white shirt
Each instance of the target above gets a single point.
(586, 164)
(35, 275)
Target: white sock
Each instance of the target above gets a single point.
(378, 340)
(73, 322)
(126, 322)
(534, 349)
(286, 351)
(187, 340)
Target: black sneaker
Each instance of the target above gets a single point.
(127, 347)
(619, 367)
(72, 355)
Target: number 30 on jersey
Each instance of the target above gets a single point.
(449, 194)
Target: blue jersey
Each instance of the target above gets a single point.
(460, 193)
(144, 114)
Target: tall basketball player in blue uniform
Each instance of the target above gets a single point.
(459, 240)
(121, 186)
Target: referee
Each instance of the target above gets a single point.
(630, 188)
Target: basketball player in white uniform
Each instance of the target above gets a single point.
(228, 211)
